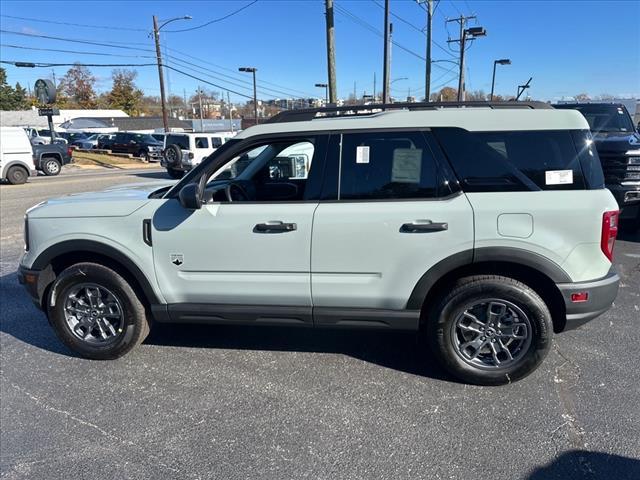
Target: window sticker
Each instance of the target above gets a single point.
(407, 165)
(558, 177)
(362, 154)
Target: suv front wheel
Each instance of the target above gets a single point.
(490, 330)
(96, 312)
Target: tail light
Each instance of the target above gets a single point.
(69, 151)
(609, 232)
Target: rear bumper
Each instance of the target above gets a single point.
(600, 296)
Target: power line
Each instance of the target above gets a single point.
(75, 24)
(213, 21)
(23, 47)
(373, 29)
(72, 40)
(236, 77)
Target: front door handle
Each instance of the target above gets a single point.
(274, 226)
(420, 226)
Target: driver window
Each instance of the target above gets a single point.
(270, 173)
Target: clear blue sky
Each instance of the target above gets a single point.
(568, 47)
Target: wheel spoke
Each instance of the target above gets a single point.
(495, 311)
(505, 349)
(516, 330)
(93, 313)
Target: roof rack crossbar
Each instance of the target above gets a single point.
(305, 114)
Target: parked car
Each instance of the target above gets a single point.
(183, 151)
(488, 229)
(42, 136)
(50, 159)
(88, 143)
(105, 140)
(16, 158)
(618, 144)
(140, 145)
(71, 137)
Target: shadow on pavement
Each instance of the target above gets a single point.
(582, 464)
(402, 351)
(23, 321)
(629, 232)
(158, 175)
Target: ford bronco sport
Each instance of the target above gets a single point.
(486, 227)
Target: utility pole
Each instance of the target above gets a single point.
(200, 108)
(230, 111)
(465, 33)
(427, 72)
(331, 52)
(522, 88)
(53, 74)
(163, 100)
(386, 61)
(375, 95)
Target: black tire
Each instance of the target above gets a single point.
(51, 166)
(444, 334)
(144, 155)
(173, 173)
(134, 326)
(17, 175)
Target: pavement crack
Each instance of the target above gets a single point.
(151, 457)
(567, 375)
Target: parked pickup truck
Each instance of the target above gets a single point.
(50, 158)
(618, 144)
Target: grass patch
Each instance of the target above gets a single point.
(102, 159)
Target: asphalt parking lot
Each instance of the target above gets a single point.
(203, 402)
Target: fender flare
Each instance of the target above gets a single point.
(511, 255)
(45, 258)
(6, 168)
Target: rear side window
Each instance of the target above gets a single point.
(216, 142)
(513, 160)
(202, 142)
(181, 140)
(386, 166)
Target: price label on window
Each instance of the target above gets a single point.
(558, 177)
(362, 154)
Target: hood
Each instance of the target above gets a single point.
(117, 201)
(616, 142)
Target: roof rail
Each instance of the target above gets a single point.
(305, 114)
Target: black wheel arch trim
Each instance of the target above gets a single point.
(480, 255)
(91, 246)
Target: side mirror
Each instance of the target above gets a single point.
(190, 197)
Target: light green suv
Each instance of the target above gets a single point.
(486, 226)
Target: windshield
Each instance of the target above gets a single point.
(606, 118)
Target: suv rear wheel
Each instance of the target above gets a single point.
(96, 313)
(51, 166)
(490, 330)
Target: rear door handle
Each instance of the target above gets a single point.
(274, 226)
(421, 226)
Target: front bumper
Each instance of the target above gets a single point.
(600, 296)
(36, 282)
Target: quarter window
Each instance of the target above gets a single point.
(513, 160)
(386, 166)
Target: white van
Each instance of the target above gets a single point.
(183, 151)
(16, 155)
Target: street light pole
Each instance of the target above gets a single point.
(252, 70)
(504, 61)
(156, 37)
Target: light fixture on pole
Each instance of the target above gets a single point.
(252, 70)
(326, 91)
(156, 36)
(503, 61)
